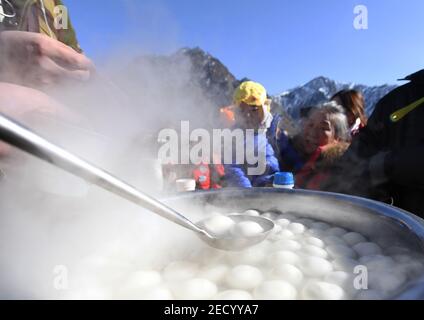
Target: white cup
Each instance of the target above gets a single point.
(185, 185)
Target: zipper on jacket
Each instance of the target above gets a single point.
(43, 9)
(401, 113)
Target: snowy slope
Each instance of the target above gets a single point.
(321, 89)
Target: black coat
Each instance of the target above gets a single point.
(386, 160)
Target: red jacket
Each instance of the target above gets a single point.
(208, 176)
(318, 168)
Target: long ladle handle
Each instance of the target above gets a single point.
(23, 138)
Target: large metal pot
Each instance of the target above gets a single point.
(384, 224)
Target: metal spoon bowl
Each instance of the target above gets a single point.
(23, 138)
(232, 242)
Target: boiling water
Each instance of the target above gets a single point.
(301, 259)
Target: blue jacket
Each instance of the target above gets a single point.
(290, 159)
(237, 176)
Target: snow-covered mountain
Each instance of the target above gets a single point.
(321, 89)
(192, 69)
(219, 84)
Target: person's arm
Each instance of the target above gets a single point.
(271, 160)
(271, 165)
(17, 101)
(404, 167)
(235, 176)
(290, 159)
(21, 103)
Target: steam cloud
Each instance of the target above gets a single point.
(49, 218)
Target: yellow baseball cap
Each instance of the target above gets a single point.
(251, 93)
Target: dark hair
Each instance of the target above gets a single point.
(352, 101)
(306, 111)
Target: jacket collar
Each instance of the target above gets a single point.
(416, 77)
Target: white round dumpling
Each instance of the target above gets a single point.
(274, 232)
(195, 289)
(369, 295)
(214, 273)
(412, 268)
(180, 270)
(156, 293)
(367, 248)
(145, 278)
(402, 258)
(282, 222)
(270, 215)
(305, 221)
(106, 270)
(314, 266)
(277, 228)
(231, 214)
(251, 212)
(287, 272)
(296, 228)
(244, 277)
(288, 216)
(313, 241)
(251, 256)
(264, 246)
(343, 279)
(275, 290)
(386, 281)
(282, 257)
(397, 250)
(339, 250)
(285, 234)
(345, 264)
(286, 244)
(378, 262)
(208, 255)
(247, 229)
(320, 226)
(219, 225)
(331, 240)
(315, 233)
(353, 238)
(138, 282)
(233, 295)
(89, 293)
(315, 251)
(320, 290)
(336, 231)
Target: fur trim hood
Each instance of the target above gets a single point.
(332, 154)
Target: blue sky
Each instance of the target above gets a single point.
(279, 43)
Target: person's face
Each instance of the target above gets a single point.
(318, 132)
(251, 117)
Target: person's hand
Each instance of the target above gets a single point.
(35, 60)
(21, 103)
